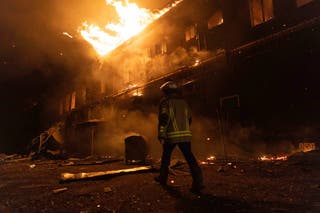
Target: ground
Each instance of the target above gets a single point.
(243, 186)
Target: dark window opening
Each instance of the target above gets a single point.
(261, 11)
(215, 20)
(190, 32)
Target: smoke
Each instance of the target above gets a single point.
(122, 124)
(240, 142)
(32, 33)
(38, 61)
(208, 139)
(138, 66)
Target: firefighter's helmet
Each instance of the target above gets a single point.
(169, 87)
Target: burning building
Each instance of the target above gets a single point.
(247, 67)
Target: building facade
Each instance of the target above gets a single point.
(241, 64)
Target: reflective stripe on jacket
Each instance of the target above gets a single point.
(174, 120)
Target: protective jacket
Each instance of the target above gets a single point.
(174, 119)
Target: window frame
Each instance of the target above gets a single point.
(264, 15)
(218, 13)
(190, 32)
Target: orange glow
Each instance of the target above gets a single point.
(273, 158)
(137, 94)
(209, 160)
(132, 20)
(307, 146)
(67, 34)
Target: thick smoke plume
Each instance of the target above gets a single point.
(138, 67)
(37, 61)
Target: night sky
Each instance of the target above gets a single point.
(36, 59)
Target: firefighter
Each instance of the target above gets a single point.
(174, 129)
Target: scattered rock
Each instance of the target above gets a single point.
(107, 189)
(220, 169)
(60, 190)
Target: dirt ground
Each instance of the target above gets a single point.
(246, 186)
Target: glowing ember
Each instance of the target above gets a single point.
(132, 20)
(196, 63)
(273, 158)
(307, 147)
(67, 34)
(137, 94)
(209, 160)
(132, 86)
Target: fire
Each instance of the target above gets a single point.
(209, 160)
(67, 34)
(132, 20)
(137, 94)
(273, 158)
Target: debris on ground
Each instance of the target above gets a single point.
(253, 186)
(90, 162)
(220, 169)
(32, 166)
(107, 189)
(176, 167)
(60, 190)
(12, 158)
(81, 176)
(49, 144)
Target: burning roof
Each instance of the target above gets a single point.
(132, 20)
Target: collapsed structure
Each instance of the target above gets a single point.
(247, 67)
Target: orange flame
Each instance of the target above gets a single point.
(210, 160)
(132, 20)
(273, 158)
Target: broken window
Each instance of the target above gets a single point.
(260, 11)
(158, 49)
(215, 20)
(150, 52)
(73, 100)
(164, 48)
(303, 2)
(190, 33)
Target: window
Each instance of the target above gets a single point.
(157, 49)
(164, 48)
(190, 33)
(260, 11)
(73, 100)
(303, 2)
(215, 20)
(150, 52)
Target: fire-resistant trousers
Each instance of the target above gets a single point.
(185, 148)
